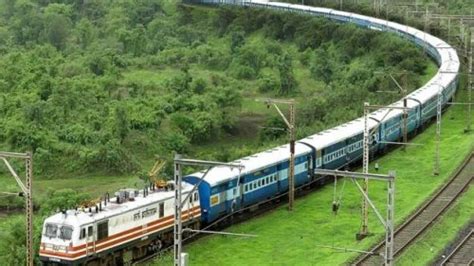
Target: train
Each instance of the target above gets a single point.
(135, 223)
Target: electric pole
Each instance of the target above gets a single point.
(291, 127)
(179, 202)
(389, 222)
(26, 191)
(365, 161)
(365, 169)
(469, 86)
(404, 91)
(438, 130)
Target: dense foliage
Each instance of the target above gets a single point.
(12, 233)
(101, 85)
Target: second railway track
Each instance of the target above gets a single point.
(421, 220)
(463, 253)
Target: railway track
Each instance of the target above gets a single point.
(422, 219)
(463, 253)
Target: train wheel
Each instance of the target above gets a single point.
(155, 246)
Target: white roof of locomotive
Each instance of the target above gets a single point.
(79, 217)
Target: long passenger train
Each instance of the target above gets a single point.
(135, 223)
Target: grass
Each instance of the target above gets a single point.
(296, 238)
(93, 185)
(431, 245)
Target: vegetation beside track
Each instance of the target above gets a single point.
(431, 245)
(295, 238)
(100, 87)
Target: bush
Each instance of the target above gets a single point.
(175, 142)
(268, 83)
(274, 128)
(243, 72)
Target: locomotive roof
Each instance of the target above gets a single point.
(83, 217)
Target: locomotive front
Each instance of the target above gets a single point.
(60, 237)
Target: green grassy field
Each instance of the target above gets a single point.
(296, 238)
(95, 185)
(430, 245)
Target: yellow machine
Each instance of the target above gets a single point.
(153, 174)
(90, 203)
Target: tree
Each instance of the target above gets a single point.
(321, 67)
(274, 128)
(268, 83)
(237, 40)
(121, 123)
(176, 142)
(26, 22)
(85, 32)
(57, 24)
(199, 85)
(288, 82)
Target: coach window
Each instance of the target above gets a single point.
(162, 209)
(89, 231)
(190, 199)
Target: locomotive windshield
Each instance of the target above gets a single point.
(51, 230)
(65, 233)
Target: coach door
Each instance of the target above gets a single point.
(319, 159)
(281, 176)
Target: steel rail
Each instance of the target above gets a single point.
(468, 162)
(458, 249)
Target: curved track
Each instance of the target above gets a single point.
(463, 253)
(422, 219)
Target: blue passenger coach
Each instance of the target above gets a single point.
(224, 190)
